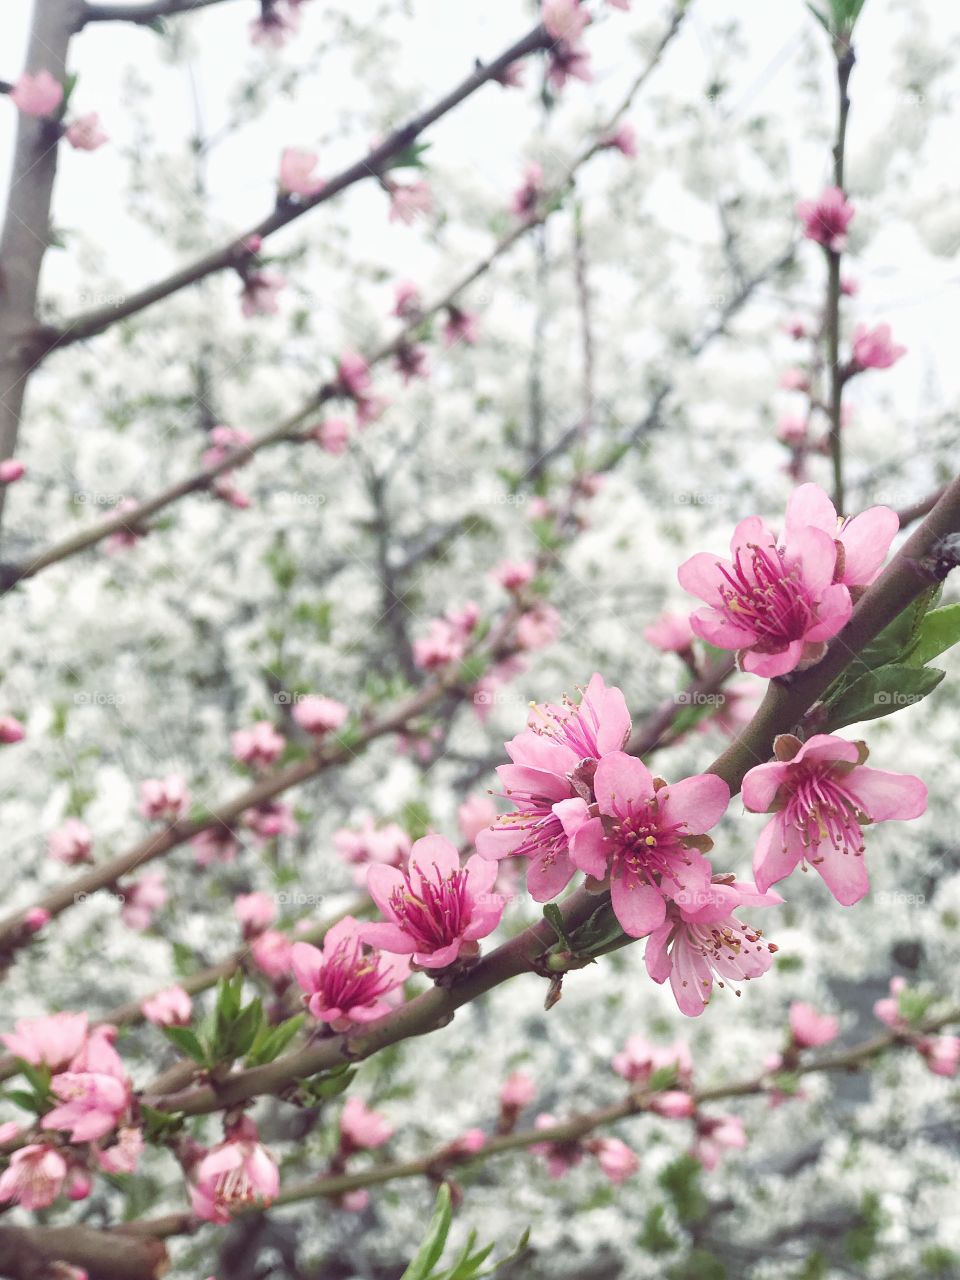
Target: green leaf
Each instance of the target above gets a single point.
(270, 1042)
(434, 1241)
(554, 918)
(328, 1084)
(409, 158)
(29, 1101)
(881, 692)
(159, 1126)
(187, 1041)
(938, 631)
(820, 17)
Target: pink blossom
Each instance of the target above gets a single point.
(355, 1201)
(538, 627)
(809, 1028)
(168, 1008)
(233, 1175)
(34, 1177)
(646, 838)
(142, 899)
(624, 139)
(260, 293)
(271, 951)
(11, 730)
(36, 918)
(460, 326)
(777, 603)
(407, 303)
(388, 845)
(716, 1135)
(791, 430)
(353, 375)
(319, 715)
(71, 844)
(795, 380)
(215, 844)
(361, 1128)
(411, 362)
(512, 76)
(468, 1144)
(863, 541)
(297, 177)
(517, 1091)
(124, 1155)
(8, 1131)
(11, 470)
(538, 782)
(475, 815)
(276, 25)
(568, 61)
(512, 575)
(561, 1157)
(259, 746)
(888, 1009)
(333, 435)
(673, 1104)
(442, 645)
(874, 349)
(85, 133)
(164, 799)
(671, 633)
(436, 910)
(702, 937)
(348, 981)
(270, 820)
(821, 795)
(530, 192)
(127, 535)
(849, 286)
(255, 911)
(52, 1041)
(615, 1158)
(37, 95)
(941, 1053)
(796, 327)
(639, 1060)
(225, 489)
(94, 1092)
(619, 4)
(564, 19)
(225, 441)
(826, 219)
(408, 202)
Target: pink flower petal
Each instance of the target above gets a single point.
(620, 779)
(882, 795)
(698, 802)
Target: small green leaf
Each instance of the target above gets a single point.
(554, 918)
(270, 1042)
(881, 692)
(938, 631)
(434, 1241)
(187, 1041)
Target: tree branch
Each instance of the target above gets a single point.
(136, 519)
(26, 228)
(90, 323)
(785, 703)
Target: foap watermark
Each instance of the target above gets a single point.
(298, 498)
(97, 698)
(498, 698)
(700, 498)
(502, 498)
(899, 898)
(286, 698)
(696, 698)
(101, 299)
(893, 698)
(298, 898)
(102, 895)
(91, 498)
